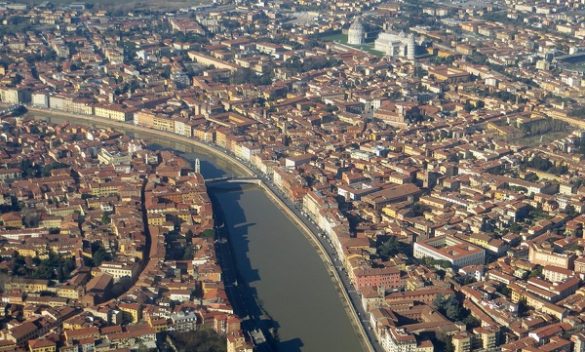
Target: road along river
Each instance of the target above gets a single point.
(280, 276)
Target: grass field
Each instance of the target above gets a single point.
(578, 66)
(546, 138)
(532, 141)
(342, 38)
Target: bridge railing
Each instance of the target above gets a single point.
(230, 179)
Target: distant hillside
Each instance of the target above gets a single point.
(122, 4)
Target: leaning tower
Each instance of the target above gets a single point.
(410, 50)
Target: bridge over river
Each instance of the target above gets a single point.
(232, 179)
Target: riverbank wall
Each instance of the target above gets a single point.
(136, 128)
(307, 232)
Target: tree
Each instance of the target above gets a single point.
(450, 307)
(296, 65)
(540, 163)
(419, 209)
(505, 290)
(570, 210)
(55, 266)
(30, 219)
(442, 342)
(30, 169)
(531, 177)
(522, 306)
(100, 255)
(121, 286)
(230, 25)
(166, 72)
(449, 347)
(415, 115)
(247, 76)
(472, 322)
(53, 166)
(515, 227)
(536, 272)
(388, 248)
(582, 146)
(430, 262)
(18, 265)
(331, 108)
(188, 252)
(205, 340)
(106, 218)
(142, 347)
(209, 233)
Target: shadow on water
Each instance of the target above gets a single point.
(285, 269)
(231, 223)
(293, 345)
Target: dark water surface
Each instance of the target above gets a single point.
(277, 265)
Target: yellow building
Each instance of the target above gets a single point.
(143, 118)
(78, 107)
(158, 324)
(102, 190)
(42, 345)
(27, 285)
(113, 112)
(13, 220)
(163, 123)
(134, 310)
(71, 292)
(237, 343)
(461, 342)
(538, 304)
(203, 134)
(221, 138)
(544, 255)
(390, 211)
(118, 270)
(27, 252)
(488, 336)
(313, 203)
(156, 219)
(53, 222)
(434, 202)
(210, 61)
(469, 26)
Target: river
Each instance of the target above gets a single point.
(278, 270)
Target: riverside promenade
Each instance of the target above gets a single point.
(326, 252)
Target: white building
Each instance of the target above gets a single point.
(398, 340)
(119, 270)
(355, 34)
(11, 95)
(184, 321)
(455, 251)
(118, 158)
(40, 99)
(396, 45)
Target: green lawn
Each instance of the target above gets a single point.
(342, 38)
(339, 38)
(577, 66)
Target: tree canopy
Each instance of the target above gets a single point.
(205, 340)
(247, 76)
(388, 248)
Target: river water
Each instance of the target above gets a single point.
(280, 270)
